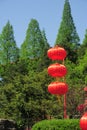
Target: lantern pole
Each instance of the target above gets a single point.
(65, 115)
(65, 105)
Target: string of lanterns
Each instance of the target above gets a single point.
(58, 70)
(61, 88)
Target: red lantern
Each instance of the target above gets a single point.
(56, 53)
(85, 89)
(57, 70)
(83, 122)
(58, 88)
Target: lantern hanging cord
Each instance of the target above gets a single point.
(57, 79)
(63, 62)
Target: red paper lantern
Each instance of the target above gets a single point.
(56, 53)
(83, 122)
(57, 70)
(85, 89)
(58, 88)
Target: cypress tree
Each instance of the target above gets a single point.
(67, 36)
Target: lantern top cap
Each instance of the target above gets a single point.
(56, 46)
(57, 82)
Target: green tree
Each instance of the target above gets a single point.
(83, 47)
(75, 81)
(46, 44)
(34, 45)
(9, 71)
(82, 67)
(22, 96)
(67, 36)
(9, 51)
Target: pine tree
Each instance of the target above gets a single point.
(8, 48)
(67, 36)
(33, 45)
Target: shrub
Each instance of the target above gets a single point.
(60, 124)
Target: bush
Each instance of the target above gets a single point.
(60, 124)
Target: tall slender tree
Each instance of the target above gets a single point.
(34, 44)
(9, 51)
(34, 47)
(67, 36)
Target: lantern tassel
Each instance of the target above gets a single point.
(59, 99)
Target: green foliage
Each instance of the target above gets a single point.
(67, 36)
(83, 47)
(82, 69)
(57, 125)
(23, 81)
(23, 94)
(34, 47)
(35, 44)
(8, 48)
(75, 81)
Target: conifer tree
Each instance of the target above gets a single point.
(67, 36)
(34, 45)
(9, 51)
(45, 39)
(45, 60)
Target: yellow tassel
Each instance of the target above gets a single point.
(59, 99)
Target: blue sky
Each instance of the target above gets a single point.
(48, 13)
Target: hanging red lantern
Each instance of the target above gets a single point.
(57, 70)
(83, 122)
(56, 53)
(58, 88)
(85, 89)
